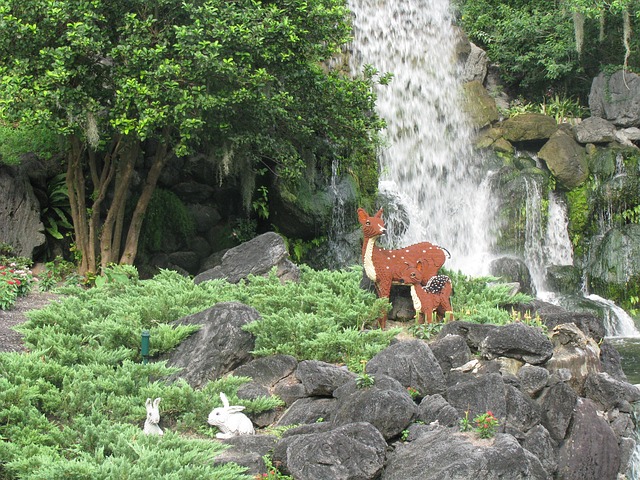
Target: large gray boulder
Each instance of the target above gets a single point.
(351, 451)
(444, 454)
(595, 130)
(610, 393)
(258, 256)
(451, 351)
(434, 408)
(557, 403)
(309, 410)
(20, 224)
(519, 341)
(616, 98)
(566, 159)
(539, 442)
(385, 404)
(532, 379)
(268, 371)
(413, 364)
(591, 450)
(247, 451)
(321, 378)
(522, 412)
(218, 347)
(478, 395)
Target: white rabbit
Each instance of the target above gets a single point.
(153, 418)
(229, 420)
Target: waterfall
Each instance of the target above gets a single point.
(427, 165)
(336, 243)
(545, 244)
(558, 248)
(533, 245)
(617, 322)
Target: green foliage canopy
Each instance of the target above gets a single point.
(544, 45)
(237, 74)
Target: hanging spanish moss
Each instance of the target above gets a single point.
(578, 28)
(626, 36)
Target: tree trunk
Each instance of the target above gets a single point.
(133, 235)
(76, 189)
(111, 230)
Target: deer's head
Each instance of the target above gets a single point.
(371, 226)
(412, 275)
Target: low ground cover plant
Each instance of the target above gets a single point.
(73, 406)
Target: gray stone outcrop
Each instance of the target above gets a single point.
(591, 450)
(549, 414)
(442, 454)
(351, 451)
(517, 340)
(255, 257)
(595, 130)
(616, 98)
(218, 347)
(413, 364)
(20, 224)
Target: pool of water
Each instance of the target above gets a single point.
(629, 349)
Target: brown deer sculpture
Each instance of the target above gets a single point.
(434, 295)
(386, 267)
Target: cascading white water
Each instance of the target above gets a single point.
(533, 243)
(428, 164)
(542, 249)
(558, 248)
(617, 322)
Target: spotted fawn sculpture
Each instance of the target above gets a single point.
(386, 267)
(434, 295)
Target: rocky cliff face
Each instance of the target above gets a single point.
(591, 165)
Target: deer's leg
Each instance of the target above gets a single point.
(384, 289)
(429, 314)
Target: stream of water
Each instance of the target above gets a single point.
(428, 166)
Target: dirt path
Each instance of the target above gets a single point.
(10, 340)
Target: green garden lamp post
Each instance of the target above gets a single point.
(144, 346)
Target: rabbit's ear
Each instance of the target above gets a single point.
(224, 399)
(156, 402)
(148, 402)
(237, 408)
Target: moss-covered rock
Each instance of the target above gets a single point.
(529, 126)
(565, 158)
(613, 268)
(479, 105)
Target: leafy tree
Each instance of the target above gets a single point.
(547, 45)
(121, 81)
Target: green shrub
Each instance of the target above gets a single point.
(16, 141)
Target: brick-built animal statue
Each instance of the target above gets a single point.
(386, 267)
(434, 295)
